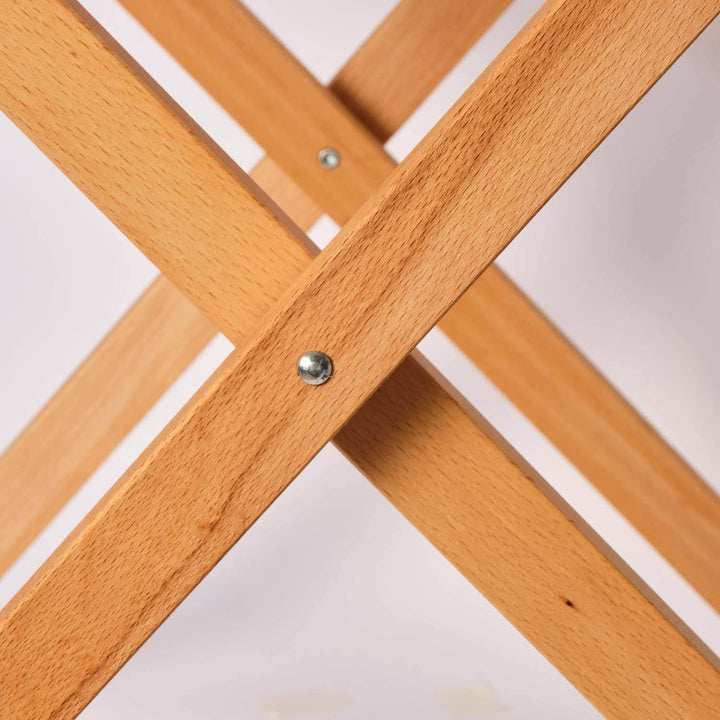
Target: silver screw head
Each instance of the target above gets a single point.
(329, 158)
(314, 368)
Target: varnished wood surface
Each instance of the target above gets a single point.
(527, 551)
(412, 51)
(567, 399)
(272, 96)
(597, 430)
(206, 478)
(106, 396)
(66, 442)
(94, 410)
(540, 371)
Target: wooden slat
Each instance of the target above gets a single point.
(593, 425)
(529, 553)
(203, 482)
(94, 410)
(59, 450)
(566, 398)
(569, 401)
(286, 110)
(139, 359)
(242, 65)
(413, 50)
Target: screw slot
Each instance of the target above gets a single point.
(329, 158)
(314, 368)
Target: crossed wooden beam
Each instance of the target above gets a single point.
(414, 239)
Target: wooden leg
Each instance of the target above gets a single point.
(287, 111)
(108, 394)
(94, 410)
(579, 411)
(495, 324)
(407, 56)
(500, 329)
(32, 487)
(234, 447)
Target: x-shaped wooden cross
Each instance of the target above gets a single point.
(414, 239)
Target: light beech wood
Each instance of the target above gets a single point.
(591, 423)
(43, 453)
(107, 395)
(234, 447)
(407, 56)
(272, 96)
(569, 401)
(94, 410)
(288, 112)
(494, 324)
(526, 550)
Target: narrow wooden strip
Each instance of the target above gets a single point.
(540, 371)
(286, 110)
(204, 481)
(409, 54)
(94, 410)
(272, 96)
(598, 431)
(153, 172)
(526, 550)
(62, 445)
(107, 395)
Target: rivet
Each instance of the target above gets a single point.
(314, 368)
(329, 158)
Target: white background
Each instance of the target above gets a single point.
(332, 600)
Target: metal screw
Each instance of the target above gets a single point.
(329, 158)
(314, 368)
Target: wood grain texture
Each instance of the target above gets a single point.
(66, 442)
(203, 482)
(94, 410)
(150, 169)
(590, 422)
(138, 360)
(272, 96)
(567, 399)
(520, 544)
(409, 54)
